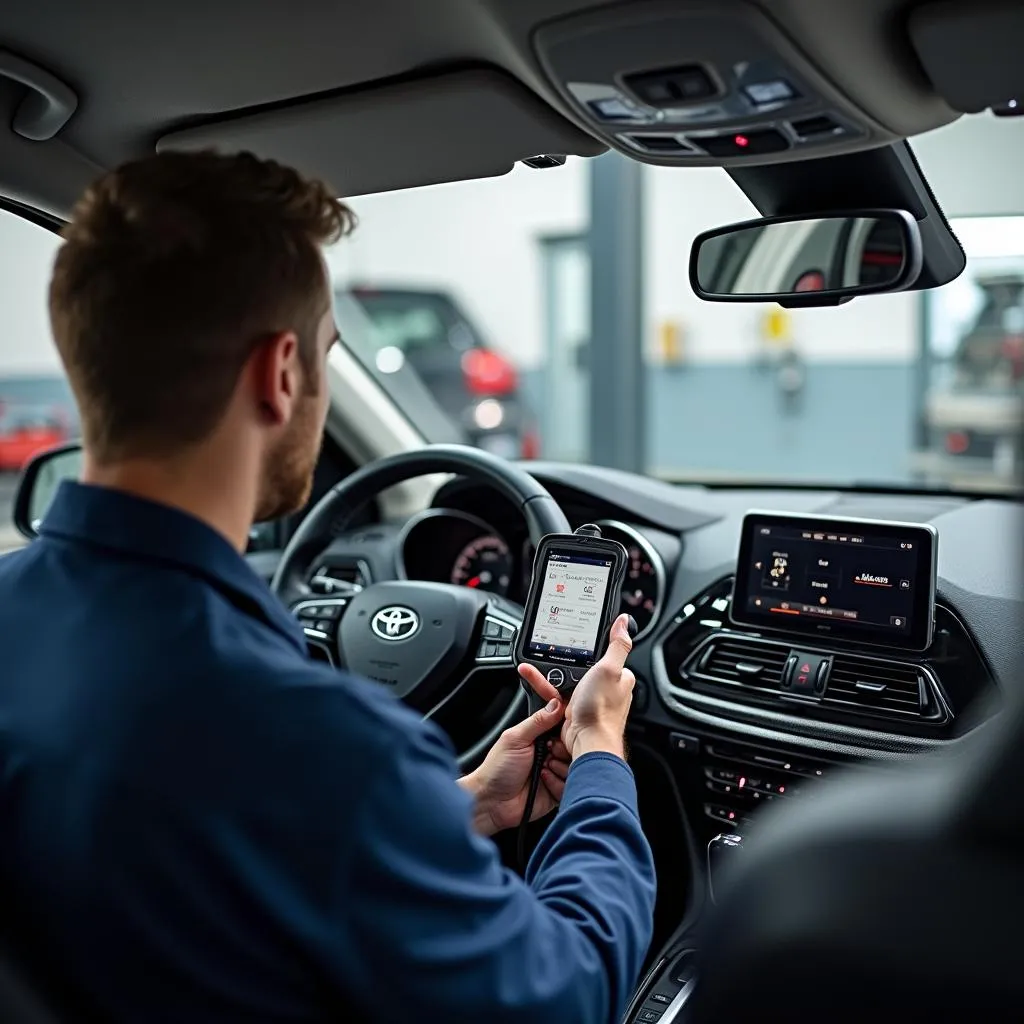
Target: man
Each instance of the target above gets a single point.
(198, 822)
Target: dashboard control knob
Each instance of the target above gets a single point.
(556, 677)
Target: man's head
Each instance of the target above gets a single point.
(190, 300)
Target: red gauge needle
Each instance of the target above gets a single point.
(474, 582)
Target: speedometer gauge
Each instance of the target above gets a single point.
(485, 563)
(640, 587)
(644, 585)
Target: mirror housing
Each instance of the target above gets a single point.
(798, 261)
(39, 482)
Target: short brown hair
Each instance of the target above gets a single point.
(174, 268)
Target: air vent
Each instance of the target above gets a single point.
(659, 144)
(736, 660)
(879, 687)
(813, 127)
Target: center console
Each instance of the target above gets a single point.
(828, 647)
(664, 993)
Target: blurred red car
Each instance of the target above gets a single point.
(23, 432)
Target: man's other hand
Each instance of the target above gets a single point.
(595, 717)
(500, 785)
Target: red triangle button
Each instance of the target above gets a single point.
(805, 667)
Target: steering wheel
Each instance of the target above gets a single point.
(422, 640)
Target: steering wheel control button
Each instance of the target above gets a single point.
(495, 641)
(556, 677)
(324, 626)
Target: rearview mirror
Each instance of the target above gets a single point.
(807, 261)
(39, 482)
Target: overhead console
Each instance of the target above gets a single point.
(699, 84)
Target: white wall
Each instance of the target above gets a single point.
(974, 165)
(478, 239)
(26, 257)
(679, 204)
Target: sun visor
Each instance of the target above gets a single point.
(449, 127)
(973, 52)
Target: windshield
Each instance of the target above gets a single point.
(484, 290)
(473, 303)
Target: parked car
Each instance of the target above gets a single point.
(474, 384)
(975, 419)
(25, 435)
(35, 413)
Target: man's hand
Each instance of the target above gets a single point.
(595, 717)
(501, 783)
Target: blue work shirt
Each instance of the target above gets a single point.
(199, 823)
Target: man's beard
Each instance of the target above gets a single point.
(287, 478)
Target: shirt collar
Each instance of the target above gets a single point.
(104, 517)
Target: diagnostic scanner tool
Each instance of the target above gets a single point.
(574, 597)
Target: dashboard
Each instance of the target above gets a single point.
(726, 719)
(447, 545)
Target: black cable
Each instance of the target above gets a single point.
(540, 753)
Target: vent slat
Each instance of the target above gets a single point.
(749, 662)
(866, 685)
(876, 673)
(899, 687)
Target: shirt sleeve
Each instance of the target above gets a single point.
(443, 929)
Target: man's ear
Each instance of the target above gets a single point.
(276, 377)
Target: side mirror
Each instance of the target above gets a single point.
(808, 261)
(39, 482)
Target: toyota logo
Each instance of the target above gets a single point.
(395, 623)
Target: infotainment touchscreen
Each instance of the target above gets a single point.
(863, 580)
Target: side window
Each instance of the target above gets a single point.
(36, 407)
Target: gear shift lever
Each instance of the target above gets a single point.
(721, 850)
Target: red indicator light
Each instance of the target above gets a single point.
(957, 442)
(782, 789)
(732, 814)
(742, 141)
(743, 782)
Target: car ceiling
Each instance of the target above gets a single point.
(385, 95)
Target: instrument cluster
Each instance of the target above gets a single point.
(451, 546)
